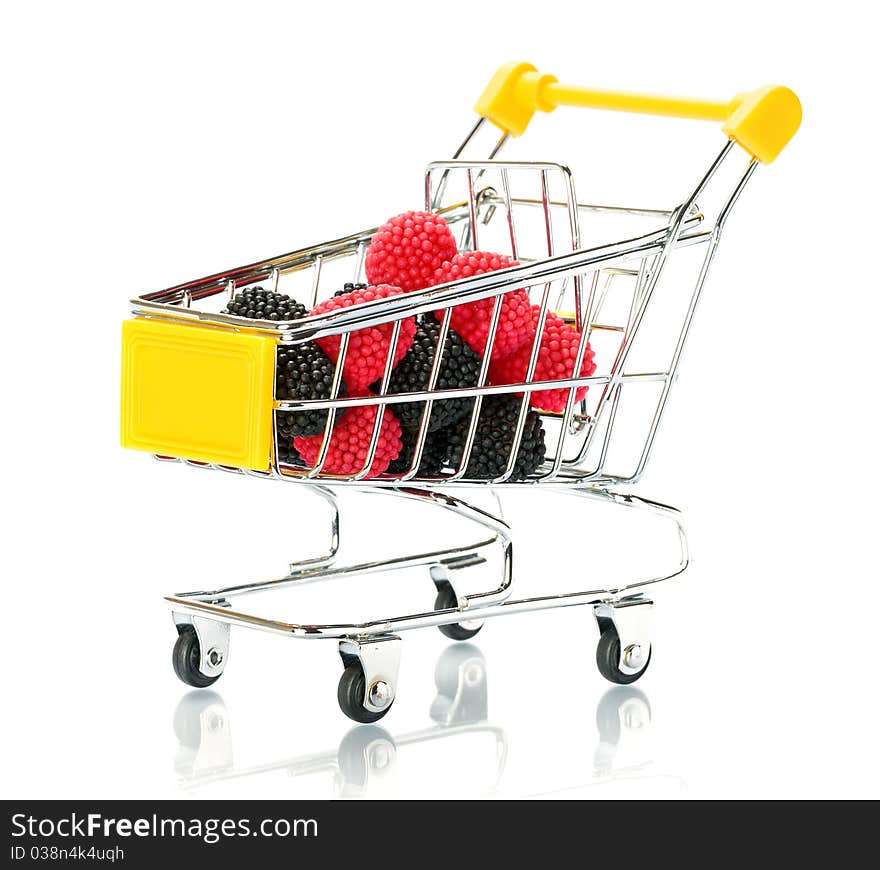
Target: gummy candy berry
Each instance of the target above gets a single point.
(259, 304)
(471, 320)
(304, 371)
(350, 443)
(459, 367)
(493, 441)
(556, 358)
(407, 250)
(368, 347)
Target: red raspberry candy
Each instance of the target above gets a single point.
(367, 347)
(556, 359)
(471, 321)
(350, 443)
(407, 250)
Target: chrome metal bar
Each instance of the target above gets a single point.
(641, 275)
(317, 574)
(289, 262)
(548, 219)
(644, 290)
(498, 146)
(529, 376)
(477, 287)
(319, 261)
(574, 227)
(429, 402)
(462, 392)
(609, 428)
(674, 230)
(359, 262)
(689, 316)
(501, 536)
(303, 258)
(482, 517)
(418, 302)
(474, 130)
(489, 606)
(584, 206)
(583, 314)
(331, 414)
(478, 404)
(569, 406)
(330, 497)
(508, 206)
(432, 201)
(536, 343)
(474, 244)
(380, 410)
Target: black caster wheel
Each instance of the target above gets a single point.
(456, 630)
(185, 659)
(352, 692)
(608, 657)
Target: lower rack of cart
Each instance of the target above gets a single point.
(370, 651)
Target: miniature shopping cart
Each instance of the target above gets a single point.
(198, 383)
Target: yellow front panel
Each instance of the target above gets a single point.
(197, 393)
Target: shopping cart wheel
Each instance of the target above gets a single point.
(608, 657)
(186, 656)
(352, 693)
(445, 600)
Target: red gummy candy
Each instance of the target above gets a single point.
(556, 358)
(407, 250)
(367, 347)
(350, 443)
(471, 320)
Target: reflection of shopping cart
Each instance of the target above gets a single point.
(465, 749)
(460, 711)
(198, 383)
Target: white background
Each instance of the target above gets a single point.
(145, 144)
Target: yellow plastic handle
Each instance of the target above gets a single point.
(761, 121)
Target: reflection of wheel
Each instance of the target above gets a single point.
(456, 630)
(186, 657)
(188, 717)
(621, 706)
(608, 657)
(352, 692)
(363, 751)
(448, 675)
(460, 677)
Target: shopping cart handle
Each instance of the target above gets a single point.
(761, 121)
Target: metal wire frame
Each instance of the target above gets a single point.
(172, 301)
(613, 384)
(482, 605)
(651, 251)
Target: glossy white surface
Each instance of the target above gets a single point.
(149, 147)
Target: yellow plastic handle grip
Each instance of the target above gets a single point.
(761, 121)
